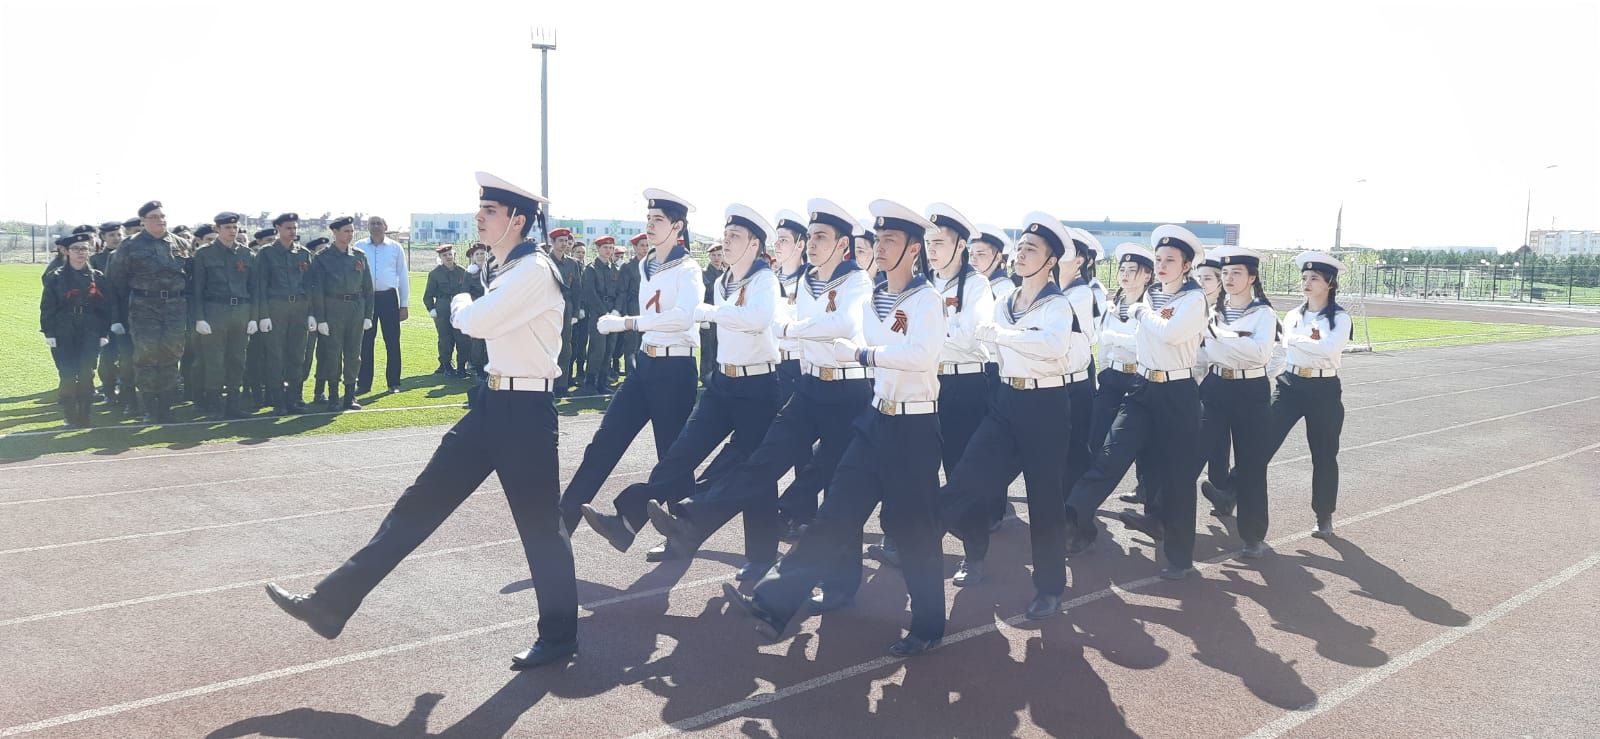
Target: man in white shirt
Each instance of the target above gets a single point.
(510, 430)
(391, 292)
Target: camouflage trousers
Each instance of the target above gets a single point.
(160, 330)
(222, 353)
(339, 353)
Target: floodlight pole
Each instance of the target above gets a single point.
(545, 41)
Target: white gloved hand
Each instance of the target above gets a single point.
(433, 313)
(366, 324)
(845, 350)
(574, 322)
(117, 329)
(611, 324)
(311, 323)
(613, 313)
(582, 314)
(266, 325)
(322, 328)
(703, 312)
(986, 332)
(104, 341)
(472, 269)
(50, 341)
(203, 328)
(251, 328)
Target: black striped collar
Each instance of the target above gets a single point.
(1051, 291)
(916, 285)
(674, 258)
(840, 274)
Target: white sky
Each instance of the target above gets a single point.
(1259, 113)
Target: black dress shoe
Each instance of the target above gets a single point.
(767, 625)
(662, 552)
(971, 572)
(911, 645)
(1254, 550)
(753, 571)
(792, 531)
(1324, 527)
(1136, 498)
(1079, 541)
(1222, 501)
(613, 528)
(1043, 606)
(679, 533)
(825, 602)
(1176, 573)
(326, 623)
(1144, 524)
(886, 553)
(543, 653)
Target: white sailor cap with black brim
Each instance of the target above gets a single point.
(497, 190)
(1229, 256)
(944, 216)
(746, 216)
(831, 214)
(671, 206)
(1128, 251)
(1087, 244)
(1180, 238)
(792, 222)
(887, 215)
(1049, 228)
(1320, 262)
(996, 237)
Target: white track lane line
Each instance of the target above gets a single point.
(1403, 401)
(732, 708)
(1334, 698)
(1455, 427)
(1460, 372)
(208, 483)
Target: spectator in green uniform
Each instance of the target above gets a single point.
(320, 397)
(444, 282)
(75, 314)
(282, 266)
(226, 312)
(110, 239)
(151, 275)
(341, 306)
(255, 385)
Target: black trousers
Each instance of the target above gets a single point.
(599, 363)
(1159, 425)
(1109, 398)
(963, 404)
(1240, 411)
(385, 316)
(1023, 431)
(580, 351)
(512, 434)
(893, 460)
(742, 407)
(1320, 401)
(661, 393)
(819, 413)
(708, 352)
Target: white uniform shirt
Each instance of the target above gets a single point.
(1169, 337)
(1224, 347)
(977, 306)
(789, 287)
(519, 315)
(1081, 297)
(904, 344)
(668, 298)
(743, 311)
(833, 312)
(1099, 302)
(1001, 286)
(1117, 346)
(1324, 352)
(1040, 342)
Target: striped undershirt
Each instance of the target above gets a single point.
(1231, 314)
(883, 302)
(1159, 299)
(815, 285)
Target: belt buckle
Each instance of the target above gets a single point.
(1157, 376)
(1019, 383)
(731, 370)
(650, 351)
(826, 374)
(1227, 373)
(1130, 368)
(887, 407)
(1306, 372)
(494, 382)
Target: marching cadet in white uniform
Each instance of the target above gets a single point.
(1236, 396)
(740, 400)
(509, 429)
(893, 457)
(1120, 373)
(831, 394)
(1038, 342)
(1073, 275)
(788, 264)
(1314, 335)
(990, 259)
(661, 390)
(1099, 251)
(964, 391)
(1160, 421)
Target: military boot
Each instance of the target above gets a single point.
(85, 403)
(69, 405)
(350, 399)
(279, 400)
(297, 397)
(331, 404)
(233, 407)
(214, 407)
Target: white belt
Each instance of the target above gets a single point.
(1228, 373)
(830, 374)
(667, 351)
(1127, 368)
(912, 408)
(748, 370)
(1035, 383)
(1309, 372)
(520, 384)
(961, 368)
(1155, 375)
(788, 354)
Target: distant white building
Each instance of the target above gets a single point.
(1564, 243)
(441, 228)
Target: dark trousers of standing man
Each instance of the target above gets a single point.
(1240, 410)
(385, 316)
(1160, 426)
(1022, 432)
(742, 407)
(451, 341)
(661, 393)
(512, 434)
(600, 348)
(893, 460)
(580, 351)
(1320, 401)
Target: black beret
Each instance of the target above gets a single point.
(341, 222)
(285, 218)
(84, 229)
(225, 217)
(265, 233)
(181, 230)
(145, 209)
(131, 223)
(205, 229)
(317, 242)
(69, 240)
(110, 226)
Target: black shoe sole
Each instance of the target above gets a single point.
(550, 658)
(324, 630)
(603, 526)
(670, 526)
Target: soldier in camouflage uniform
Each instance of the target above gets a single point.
(110, 239)
(150, 273)
(444, 282)
(225, 310)
(571, 275)
(281, 267)
(75, 315)
(342, 305)
(121, 340)
(255, 384)
(320, 396)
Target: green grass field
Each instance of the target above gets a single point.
(27, 386)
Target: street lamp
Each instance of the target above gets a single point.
(1527, 235)
(544, 39)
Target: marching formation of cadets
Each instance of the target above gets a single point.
(866, 357)
(212, 316)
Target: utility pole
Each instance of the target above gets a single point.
(545, 41)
